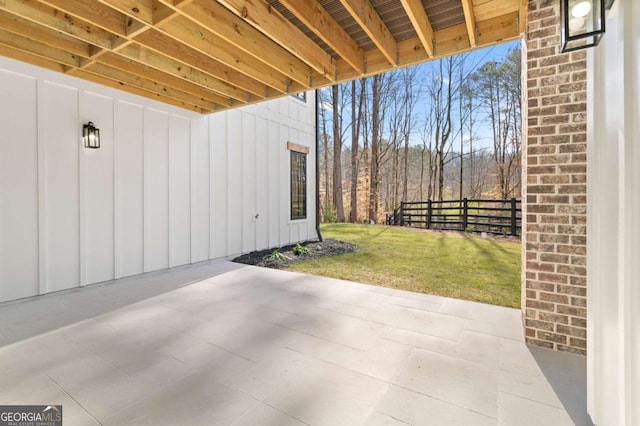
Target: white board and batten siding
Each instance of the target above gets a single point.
(167, 188)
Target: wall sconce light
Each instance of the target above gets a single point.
(583, 23)
(91, 136)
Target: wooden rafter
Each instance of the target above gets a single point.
(367, 17)
(210, 55)
(239, 34)
(470, 21)
(420, 20)
(266, 19)
(316, 18)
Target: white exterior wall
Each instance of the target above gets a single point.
(167, 187)
(613, 285)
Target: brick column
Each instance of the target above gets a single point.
(555, 177)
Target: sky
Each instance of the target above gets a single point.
(478, 57)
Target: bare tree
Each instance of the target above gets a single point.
(337, 154)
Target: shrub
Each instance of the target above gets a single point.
(276, 255)
(299, 250)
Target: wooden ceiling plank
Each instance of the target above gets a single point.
(498, 29)
(275, 26)
(420, 21)
(135, 68)
(138, 91)
(241, 35)
(318, 20)
(94, 12)
(470, 21)
(141, 10)
(20, 26)
(180, 70)
(32, 46)
(167, 46)
(369, 20)
(52, 18)
(30, 58)
(452, 40)
(489, 9)
(211, 45)
(524, 5)
(148, 84)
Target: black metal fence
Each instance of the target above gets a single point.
(493, 216)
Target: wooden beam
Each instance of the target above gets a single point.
(275, 26)
(367, 17)
(185, 31)
(239, 34)
(489, 9)
(153, 86)
(178, 69)
(524, 10)
(30, 58)
(418, 17)
(21, 26)
(171, 48)
(450, 41)
(141, 10)
(92, 11)
(470, 21)
(54, 19)
(135, 68)
(114, 83)
(28, 45)
(318, 20)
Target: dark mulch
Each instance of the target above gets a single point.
(317, 249)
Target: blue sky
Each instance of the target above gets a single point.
(477, 57)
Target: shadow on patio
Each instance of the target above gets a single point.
(221, 343)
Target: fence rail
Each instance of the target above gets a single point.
(474, 215)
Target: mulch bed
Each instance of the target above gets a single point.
(317, 249)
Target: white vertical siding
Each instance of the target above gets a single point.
(180, 190)
(167, 187)
(156, 190)
(18, 187)
(129, 190)
(61, 140)
(97, 193)
(200, 184)
(613, 152)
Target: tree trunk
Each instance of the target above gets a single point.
(373, 169)
(337, 157)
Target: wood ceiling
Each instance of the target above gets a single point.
(208, 55)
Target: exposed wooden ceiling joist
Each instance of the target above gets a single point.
(418, 16)
(210, 55)
(367, 17)
(470, 21)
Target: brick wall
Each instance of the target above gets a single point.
(554, 235)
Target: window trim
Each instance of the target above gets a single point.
(302, 152)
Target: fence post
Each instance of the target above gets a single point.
(513, 217)
(401, 213)
(465, 214)
(428, 214)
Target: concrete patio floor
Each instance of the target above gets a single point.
(220, 343)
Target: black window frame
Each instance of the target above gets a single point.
(298, 185)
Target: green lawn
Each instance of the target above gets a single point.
(458, 265)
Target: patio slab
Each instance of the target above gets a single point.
(221, 343)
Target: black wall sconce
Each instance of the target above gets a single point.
(91, 136)
(583, 23)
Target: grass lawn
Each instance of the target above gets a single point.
(462, 266)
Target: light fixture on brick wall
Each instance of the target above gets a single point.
(91, 136)
(583, 23)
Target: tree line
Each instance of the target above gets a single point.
(447, 129)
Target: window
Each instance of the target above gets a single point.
(301, 96)
(298, 185)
